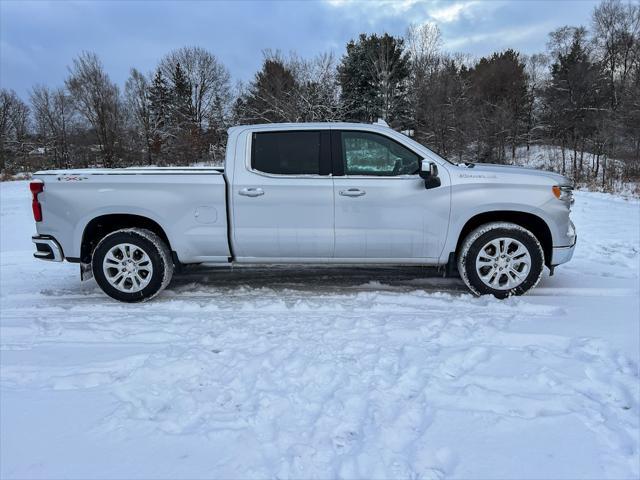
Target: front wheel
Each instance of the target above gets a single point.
(501, 259)
(132, 265)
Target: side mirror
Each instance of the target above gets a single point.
(429, 172)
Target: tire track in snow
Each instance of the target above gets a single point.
(244, 370)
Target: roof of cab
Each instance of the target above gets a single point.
(310, 126)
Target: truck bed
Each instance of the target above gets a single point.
(188, 203)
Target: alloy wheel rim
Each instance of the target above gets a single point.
(503, 263)
(127, 268)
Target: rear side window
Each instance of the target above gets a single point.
(286, 153)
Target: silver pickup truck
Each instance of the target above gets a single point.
(311, 193)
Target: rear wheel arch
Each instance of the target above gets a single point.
(100, 227)
(535, 224)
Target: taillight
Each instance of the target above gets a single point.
(36, 188)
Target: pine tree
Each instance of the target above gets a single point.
(185, 144)
(498, 90)
(374, 76)
(181, 108)
(575, 98)
(159, 106)
(272, 94)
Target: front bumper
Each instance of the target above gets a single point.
(47, 248)
(562, 255)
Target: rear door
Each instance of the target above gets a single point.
(383, 211)
(283, 206)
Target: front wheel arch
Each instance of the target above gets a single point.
(533, 223)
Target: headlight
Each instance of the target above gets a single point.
(564, 193)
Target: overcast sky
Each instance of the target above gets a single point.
(39, 39)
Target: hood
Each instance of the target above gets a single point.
(507, 170)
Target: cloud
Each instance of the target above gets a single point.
(500, 38)
(416, 11)
(452, 12)
(380, 12)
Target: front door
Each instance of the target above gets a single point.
(382, 210)
(283, 201)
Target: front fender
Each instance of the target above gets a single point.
(468, 201)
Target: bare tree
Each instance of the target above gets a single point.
(14, 125)
(317, 95)
(291, 90)
(561, 40)
(208, 77)
(536, 70)
(616, 34)
(52, 111)
(138, 100)
(423, 44)
(97, 99)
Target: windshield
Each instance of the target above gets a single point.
(420, 146)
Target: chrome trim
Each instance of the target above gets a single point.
(313, 176)
(251, 192)
(352, 192)
(380, 177)
(562, 255)
(249, 167)
(275, 175)
(427, 261)
(53, 245)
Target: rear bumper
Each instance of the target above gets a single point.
(47, 248)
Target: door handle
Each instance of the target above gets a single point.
(251, 192)
(352, 192)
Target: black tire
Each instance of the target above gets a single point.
(148, 242)
(479, 238)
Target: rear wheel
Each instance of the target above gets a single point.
(501, 259)
(132, 265)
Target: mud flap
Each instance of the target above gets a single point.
(86, 273)
(451, 268)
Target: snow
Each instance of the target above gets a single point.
(323, 372)
(549, 157)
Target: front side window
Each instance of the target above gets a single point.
(286, 153)
(367, 153)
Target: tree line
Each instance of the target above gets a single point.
(581, 95)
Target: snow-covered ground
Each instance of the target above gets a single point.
(323, 373)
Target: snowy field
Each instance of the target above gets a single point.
(325, 373)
